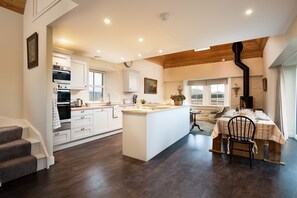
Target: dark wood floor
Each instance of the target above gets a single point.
(187, 169)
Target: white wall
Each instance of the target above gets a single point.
(37, 81)
(114, 82)
(274, 54)
(213, 70)
(174, 77)
(11, 56)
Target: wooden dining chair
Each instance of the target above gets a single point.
(241, 130)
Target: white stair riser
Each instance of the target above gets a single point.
(41, 163)
(28, 133)
(35, 148)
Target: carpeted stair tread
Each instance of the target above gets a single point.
(14, 149)
(18, 167)
(10, 133)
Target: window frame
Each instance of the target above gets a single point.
(93, 86)
(207, 96)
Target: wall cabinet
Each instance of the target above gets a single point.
(101, 120)
(130, 81)
(79, 73)
(61, 60)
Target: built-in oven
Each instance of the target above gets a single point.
(61, 75)
(64, 94)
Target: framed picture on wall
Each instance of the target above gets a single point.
(150, 86)
(32, 51)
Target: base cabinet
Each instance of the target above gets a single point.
(101, 120)
(81, 132)
(61, 137)
(81, 124)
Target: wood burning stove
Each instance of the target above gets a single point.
(246, 101)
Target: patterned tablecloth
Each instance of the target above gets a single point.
(265, 130)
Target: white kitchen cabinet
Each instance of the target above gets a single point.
(79, 72)
(102, 120)
(130, 81)
(61, 137)
(81, 132)
(116, 123)
(81, 121)
(81, 124)
(61, 60)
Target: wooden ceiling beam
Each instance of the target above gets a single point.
(252, 48)
(14, 5)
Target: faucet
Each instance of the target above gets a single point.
(108, 103)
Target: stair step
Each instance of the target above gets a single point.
(41, 161)
(10, 133)
(35, 145)
(14, 149)
(18, 167)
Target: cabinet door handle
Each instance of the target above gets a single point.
(82, 117)
(82, 129)
(82, 111)
(56, 134)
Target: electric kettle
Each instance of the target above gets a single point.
(78, 102)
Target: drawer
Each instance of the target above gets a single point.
(61, 137)
(81, 121)
(82, 112)
(81, 132)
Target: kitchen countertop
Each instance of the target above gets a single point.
(99, 107)
(152, 109)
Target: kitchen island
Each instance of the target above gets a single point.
(148, 131)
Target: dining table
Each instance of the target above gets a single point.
(268, 138)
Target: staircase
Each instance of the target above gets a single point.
(20, 153)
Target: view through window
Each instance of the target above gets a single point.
(208, 95)
(95, 86)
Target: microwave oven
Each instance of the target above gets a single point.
(61, 75)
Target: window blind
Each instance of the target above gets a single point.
(207, 82)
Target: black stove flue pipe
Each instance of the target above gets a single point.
(237, 49)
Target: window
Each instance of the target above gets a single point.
(217, 94)
(197, 95)
(96, 87)
(208, 94)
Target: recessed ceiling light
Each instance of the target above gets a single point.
(122, 58)
(160, 51)
(248, 11)
(64, 41)
(140, 39)
(107, 21)
(139, 55)
(98, 51)
(202, 49)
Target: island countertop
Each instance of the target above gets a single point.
(152, 109)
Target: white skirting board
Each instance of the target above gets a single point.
(85, 140)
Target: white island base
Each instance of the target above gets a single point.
(146, 133)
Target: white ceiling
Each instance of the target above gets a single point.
(191, 24)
